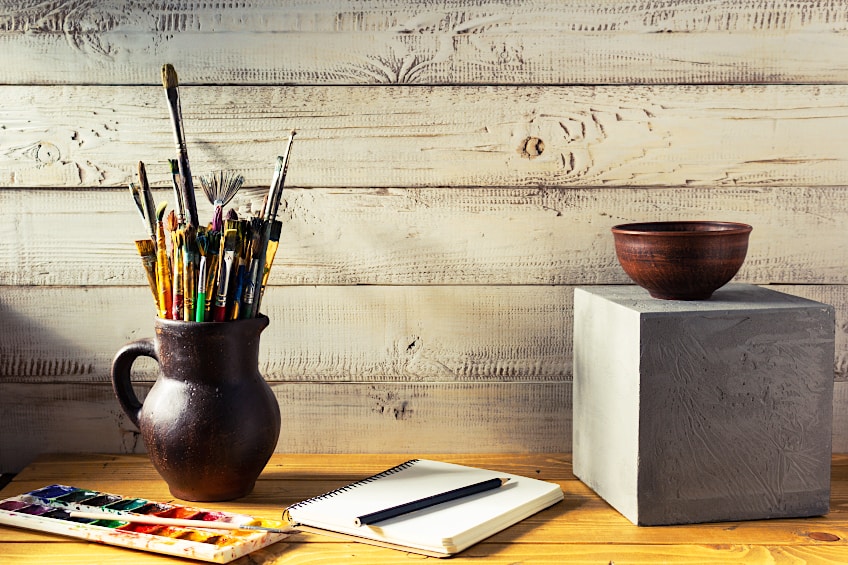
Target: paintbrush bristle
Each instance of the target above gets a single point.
(169, 76)
(145, 246)
(160, 211)
(136, 194)
(171, 223)
(230, 239)
(221, 186)
(202, 242)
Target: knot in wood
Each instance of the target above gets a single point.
(46, 153)
(531, 147)
(823, 536)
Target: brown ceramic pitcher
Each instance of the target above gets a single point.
(210, 422)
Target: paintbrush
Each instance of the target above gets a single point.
(257, 262)
(137, 199)
(171, 85)
(245, 239)
(147, 251)
(176, 180)
(200, 311)
(228, 257)
(163, 269)
(238, 268)
(189, 273)
(178, 522)
(213, 244)
(275, 191)
(136, 194)
(147, 200)
(177, 265)
(270, 252)
(220, 187)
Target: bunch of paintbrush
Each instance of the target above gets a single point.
(207, 273)
(216, 272)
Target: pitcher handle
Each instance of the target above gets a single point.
(121, 369)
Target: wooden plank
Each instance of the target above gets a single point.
(581, 518)
(325, 418)
(329, 334)
(840, 417)
(582, 524)
(836, 296)
(533, 136)
(321, 552)
(358, 333)
(301, 466)
(434, 236)
(425, 42)
(317, 418)
(294, 466)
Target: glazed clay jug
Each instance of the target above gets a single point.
(210, 422)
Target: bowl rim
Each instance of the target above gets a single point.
(641, 228)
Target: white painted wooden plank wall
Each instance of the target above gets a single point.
(457, 168)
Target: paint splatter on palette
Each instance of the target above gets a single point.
(48, 510)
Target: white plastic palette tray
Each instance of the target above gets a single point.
(47, 510)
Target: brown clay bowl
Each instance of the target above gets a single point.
(685, 260)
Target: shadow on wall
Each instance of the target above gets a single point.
(55, 390)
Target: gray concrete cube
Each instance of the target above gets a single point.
(703, 411)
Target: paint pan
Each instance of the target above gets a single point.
(76, 495)
(127, 505)
(53, 491)
(48, 510)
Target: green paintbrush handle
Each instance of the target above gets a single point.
(200, 311)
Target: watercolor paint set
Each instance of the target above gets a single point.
(54, 508)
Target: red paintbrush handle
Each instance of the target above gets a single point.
(219, 313)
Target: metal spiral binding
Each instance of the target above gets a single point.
(351, 486)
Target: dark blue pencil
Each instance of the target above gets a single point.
(426, 502)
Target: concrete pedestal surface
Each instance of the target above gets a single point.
(715, 410)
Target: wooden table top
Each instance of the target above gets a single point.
(580, 529)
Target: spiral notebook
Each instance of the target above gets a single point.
(437, 531)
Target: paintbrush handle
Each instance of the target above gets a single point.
(147, 200)
(163, 274)
(178, 301)
(275, 193)
(253, 275)
(200, 303)
(157, 521)
(219, 310)
(187, 185)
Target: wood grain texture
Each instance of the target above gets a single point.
(483, 236)
(332, 334)
(401, 136)
(580, 529)
(77, 416)
(317, 418)
(425, 42)
(319, 552)
(457, 168)
(301, 466)
(586, 518)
